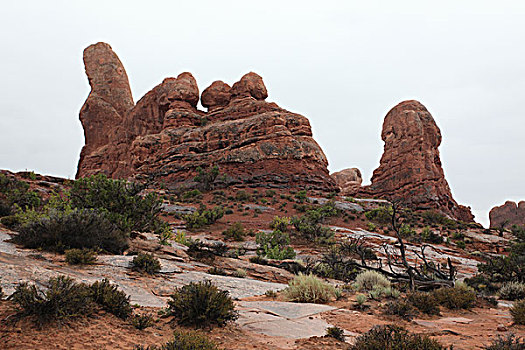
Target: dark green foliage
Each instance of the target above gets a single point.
(184, 340)
(111, 298)
(280, 223)
(336, 263)
(512, 291)
(201, 304)
(518, 312)
(509, 342)
(274, 245)
(206, 177)
(120, 200)
(390, 337)
(336, 333)
(458, 297)
(243, 196)
(381, 215)
(15, 193)
(203, 217)
(399, 308)
(62, 300)
(190, 196)
(235, 232)
(217, 271)
(433, 217)
(10, 221)
(258, 260)
(141, 321)
(145, 263)
(78, 228)
(81, 256)
(424, 302)
(301, 196)
(427, 235)
(309, 225)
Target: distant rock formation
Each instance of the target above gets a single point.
(410, 168)
(507, 215)
(164, 137)
(348, 180)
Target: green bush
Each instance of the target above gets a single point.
(81, 256)
(184, 340)
(111, 298)
(399, 308)
(206, 177)
(201, 304)
(309, 289)
(370, 280)
(509, 342)
(458, 297)
(280, 223)
(258, 260)
(427, 235)
(145, 263)
(336, 333)
(63, 299)
(301, 196)
(192, 195)
(518, 312)
(235, 232)
(78, 228)
(309, 224)
(121, 201)
(203, 217)
(394, 337)
(239, 273)
(274, 245)
(381, 215)
(424, 302)
(15, 193)
(141, 322)
(512, 291)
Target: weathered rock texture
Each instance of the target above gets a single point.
(410, 168)
(507, 215)
(164, 137)
(348, 180)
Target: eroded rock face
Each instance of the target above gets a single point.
(164, 137)
(348, 180)
(507, 215)
(410, 168)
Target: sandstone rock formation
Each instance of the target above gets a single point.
(410, 168)
(348, 180)
(164, 137)
(507, 215)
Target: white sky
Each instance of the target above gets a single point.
(342, 64)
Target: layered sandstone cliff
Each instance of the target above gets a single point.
(507, 215)
(164, 137)
(410, 168)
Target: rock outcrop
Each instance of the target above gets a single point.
(507, 215)
(410, 168)
(348, 180)
(164, 137)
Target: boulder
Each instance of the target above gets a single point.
(348, 180)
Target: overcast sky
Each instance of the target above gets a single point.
(342, 64)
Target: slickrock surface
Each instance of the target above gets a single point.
(348, 180)
(508, 214)
(410, 168)
(164, 137)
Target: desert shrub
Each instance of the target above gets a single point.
(140, 321)
(15, 193)
(235, 232)
(62, 299)
(370, 280)
(336, 333)
(335, 263)
(309, 289)
(399, 308)
(120, 200)
(110, 298)
(201, 304)
(184, 340)
(243, 196)
(203, 217)
(274, 245)
(206, 177)
(78, 228)
(427, 235)
(394, 337)
(512, 291)
(370, 226)
(457, 297)
(81, 256)
(360, 301)
(309, 224)
(145, 263)
(280, 223)
(192, 195)
(509, 342)
(301, 196)
(424, 302)
(270, 293)
(258, 260)
(202, 251)
(381, 215)
(518, 312)
(433, 217)
(217, 271)
(240, 273)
